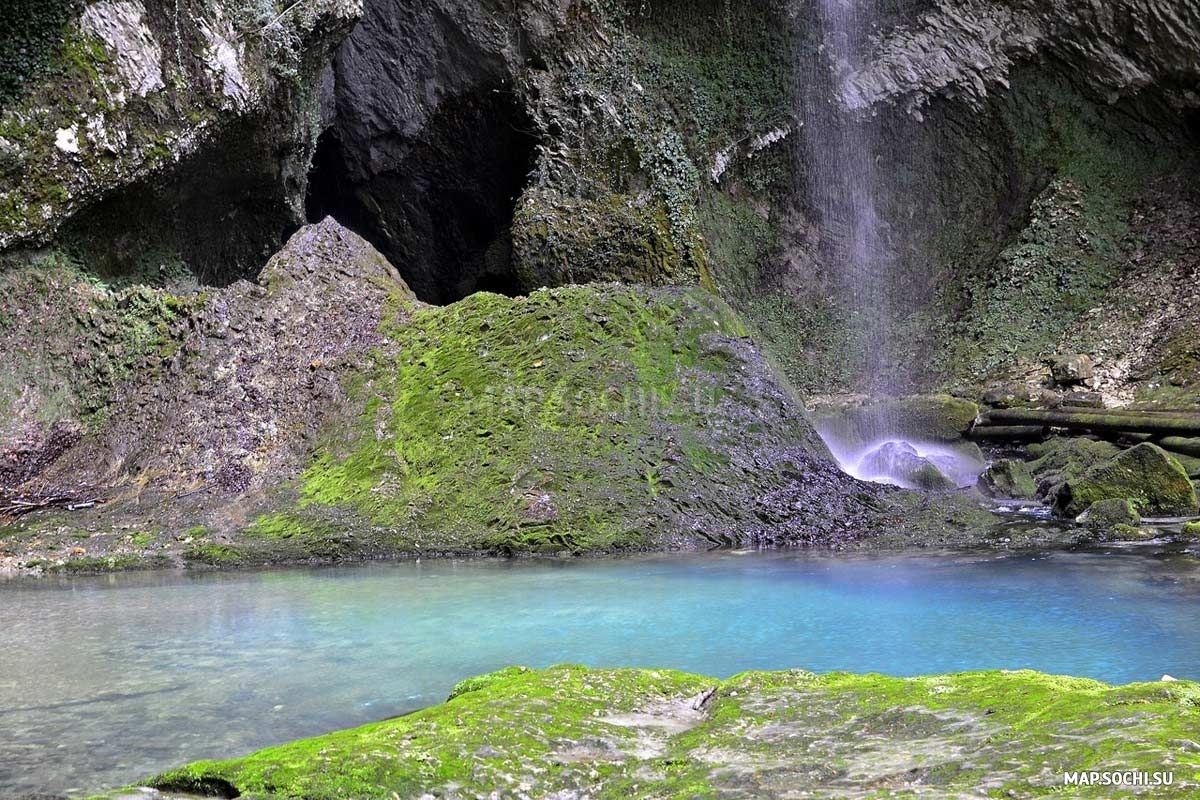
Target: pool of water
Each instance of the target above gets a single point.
(107, 680)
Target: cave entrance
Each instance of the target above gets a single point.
(441, 210)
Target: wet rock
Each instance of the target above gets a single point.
(928, 418)
(1062, 458)
(1071, 370)
(899, 462)
(1153, 481)
(1104, 515)
(1008, 478)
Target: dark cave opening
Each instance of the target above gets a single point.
(441, 206)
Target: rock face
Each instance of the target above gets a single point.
(966, 49)
(756, 734)
(1148, 476)
(430, 143)
(186, 132)
(1023, 126)
(324, 413)
(218, 389)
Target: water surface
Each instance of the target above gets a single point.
(107, 680)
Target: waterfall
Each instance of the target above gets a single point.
(841, 179)
(849, 187)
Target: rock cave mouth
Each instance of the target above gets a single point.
(442, 210)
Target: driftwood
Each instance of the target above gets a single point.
(1178, 444)
(1183, 425)
(14, 506)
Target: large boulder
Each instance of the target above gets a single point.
(1153, 481)
(1059, 459)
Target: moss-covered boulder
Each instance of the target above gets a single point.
(1008, 477)
(1111, 520)
(1147, 475)
(1191, 529)
(572, 732)
(1060, 459)
(576, 419)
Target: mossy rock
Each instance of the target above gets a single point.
(1147, 475)
(580, 419)
(1008, 477)
(1111, 520)
(1060, 459)
(1107, 513)
(639, 733)
(561, 240)
(1191, 529)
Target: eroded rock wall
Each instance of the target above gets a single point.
(185, 127)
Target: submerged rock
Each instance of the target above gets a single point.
(1153, 481)
(670, 734)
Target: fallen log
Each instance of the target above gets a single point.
(1179, 444)
(1161, 424)
(1009, 433)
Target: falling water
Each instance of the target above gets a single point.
(842, 181)
(850, 186)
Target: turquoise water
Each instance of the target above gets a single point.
(106, 680)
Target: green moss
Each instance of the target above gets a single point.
(83, 339)
(1009, 478)
(622, 733)
(1191, 529)
(214, 555)
(1154, 483)
(558, 239)
(29, 33)
(525, 425)
(1060, 459)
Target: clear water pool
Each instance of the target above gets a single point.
(107, 680)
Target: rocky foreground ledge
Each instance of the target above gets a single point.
(572, 732)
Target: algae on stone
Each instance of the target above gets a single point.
(1153, 481)
(640, 733)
